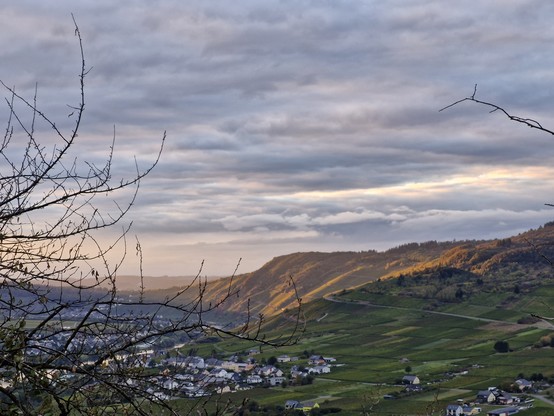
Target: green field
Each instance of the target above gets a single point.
(374, 339)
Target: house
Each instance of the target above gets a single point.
(316, 360)
(243, 387)
(195, 362)
(213, 362)
(504, 398)
(160, 396)
(235, 378)
(183, 377)
(298, 373)
(278, 372)
(276, 381)
(410, 379)
(236, 367)
(223, 389)
(413, 387)
(524, 384)
(283, 359)
(170, 384)
(181, 362)
(291, 404)
(219, 373)
(454, 410)
(485, 396)
(470, 411)
(506, 411)
(234, 358)
(306, 407)
(322, 369)
(254, 379)
(198, 392)
(270, 369)
(319, 369)
(208, 379)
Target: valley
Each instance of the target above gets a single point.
(440, 318)
(451, 350)
(415, 330)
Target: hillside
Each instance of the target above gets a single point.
(318, 274)
(315, 275)
(377, 339)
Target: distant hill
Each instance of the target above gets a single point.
(315, 274)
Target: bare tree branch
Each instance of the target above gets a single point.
(529, 122)
(70, 341)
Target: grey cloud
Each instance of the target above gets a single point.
(312, 124)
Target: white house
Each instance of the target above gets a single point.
(254, 379)
(454, 410)
(524, 384)
(485, 396)
(196, 362)
(276, 381)
(170, 384)
(320, 369)
(219, 373)
(160, 396)
(223, 389)
(270, 369)
(410, 379)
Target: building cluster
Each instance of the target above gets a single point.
(507, 403)
(164, 375)
(195, 376)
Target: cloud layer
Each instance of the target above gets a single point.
(302, 125)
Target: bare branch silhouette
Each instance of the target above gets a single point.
(529, 122)
(70, 341)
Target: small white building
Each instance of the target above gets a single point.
(254, 379)
(170, 384)
(454, 410)
(276, 381)
(321, 369)
(410, 379)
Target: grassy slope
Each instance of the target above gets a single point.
(379, 328)
(318, 274)
(374, 342)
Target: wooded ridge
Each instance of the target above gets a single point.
(315, 274)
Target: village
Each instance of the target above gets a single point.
(170, 373)
(195, 376)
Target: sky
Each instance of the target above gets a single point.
(300, 125)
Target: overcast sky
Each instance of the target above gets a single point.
(301, 125)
